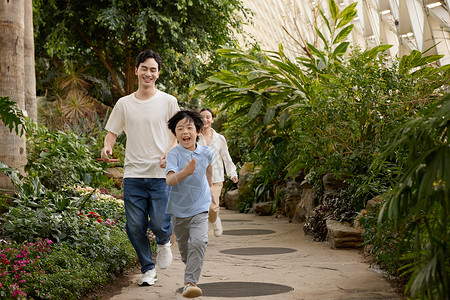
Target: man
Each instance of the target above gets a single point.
(143, 117)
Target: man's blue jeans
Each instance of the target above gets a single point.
(144, 198)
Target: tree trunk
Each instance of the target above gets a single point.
(130, 76)
(12, 83)
(30, 75)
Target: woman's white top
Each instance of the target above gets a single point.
(221, 157)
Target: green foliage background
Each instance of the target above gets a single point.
(105, 36)
(333, 110)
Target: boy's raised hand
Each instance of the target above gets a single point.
(190, 167)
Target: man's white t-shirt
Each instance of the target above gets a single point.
(148, 137)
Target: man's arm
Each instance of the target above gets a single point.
(110, 140)
(173, 178)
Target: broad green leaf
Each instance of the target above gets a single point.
(430, 59)
(415, 57)
(347, 15)
(327, 76)
(270, 113)
(333, 9)
(342, 35)
(202, 86)
(217, 80)
(316, 51)
(255, 109)
(375, 50)
(403, 66)
(340, 49)
(246, 60)
(284, 118)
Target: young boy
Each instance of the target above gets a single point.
(189, 173)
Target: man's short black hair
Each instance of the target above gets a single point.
(208, 109)
(148, 54)
(191, 115)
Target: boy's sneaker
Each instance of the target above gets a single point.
(217, 226)
(191, 290)
(164, 255)
(148, 278)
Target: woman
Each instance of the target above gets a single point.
(217, 142)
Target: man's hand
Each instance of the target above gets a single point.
(234, 179)
(106, 151)
(162, 161)
(110, 140)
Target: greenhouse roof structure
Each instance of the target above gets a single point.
(406, 24)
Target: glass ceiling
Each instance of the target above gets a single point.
(406, 24)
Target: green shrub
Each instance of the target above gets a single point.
(61, 159)
(384, 244)
(43, 270)
(90, 246)
(418, 206)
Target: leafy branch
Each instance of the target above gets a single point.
(12, 116)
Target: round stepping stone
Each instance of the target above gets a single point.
(247, 232)
(236, 289)
(258, 251)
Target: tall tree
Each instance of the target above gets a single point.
(12, 83)
(106, 35)
(30, 76)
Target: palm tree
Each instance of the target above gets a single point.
(30, 77)
(12, 81)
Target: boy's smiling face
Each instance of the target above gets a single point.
(186, 134)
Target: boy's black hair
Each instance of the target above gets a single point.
(148, 54)
(191, 115)
(208, 109)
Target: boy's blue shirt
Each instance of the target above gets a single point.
(192, 195)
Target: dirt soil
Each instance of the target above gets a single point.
(303, 270)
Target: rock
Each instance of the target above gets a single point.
(332, 185)
(305, 206)
(116, 174)
(375, 201)
(244, 173)
(101, 109)
(263, 208)
(342, 235)
(293, 197)
(230, 199)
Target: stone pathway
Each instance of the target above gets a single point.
(266, 258)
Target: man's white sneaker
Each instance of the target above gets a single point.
(148, 278)
(191, 290)
(217, 226)
(164, 255)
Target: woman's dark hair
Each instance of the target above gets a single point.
(191, 115)
(208, 109)
(148, 54)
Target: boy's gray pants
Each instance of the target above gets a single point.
(192, 237)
